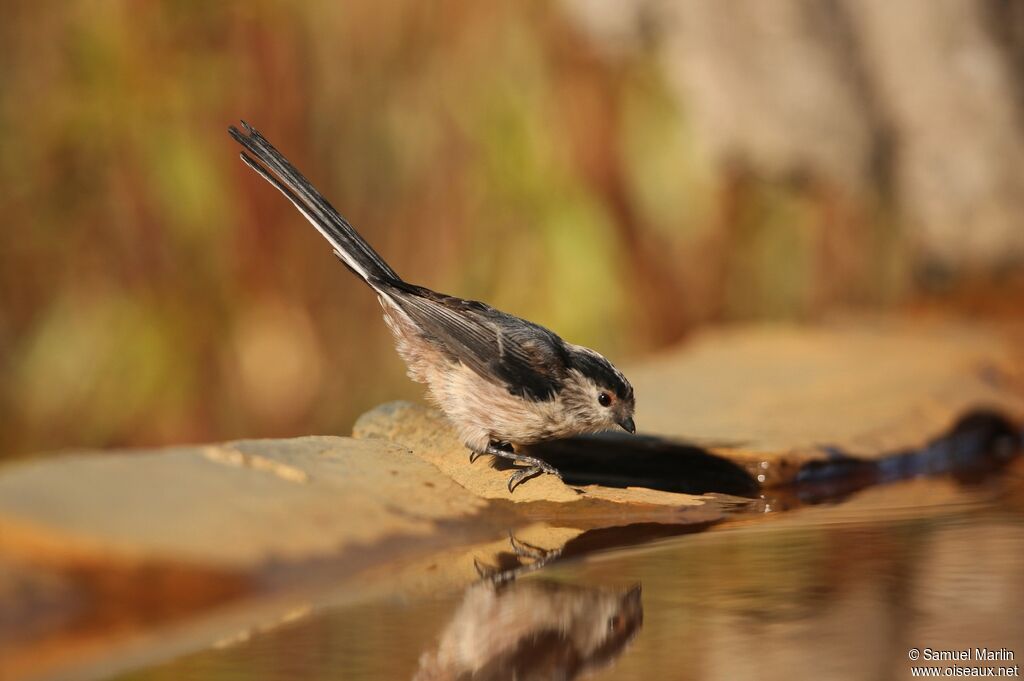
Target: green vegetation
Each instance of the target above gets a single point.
(153, 291)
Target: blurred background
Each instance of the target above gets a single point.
(623, 171)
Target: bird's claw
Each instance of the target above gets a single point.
(499, 576)
(524, 550)
(524, 474)
(532, 465)
(482, 570)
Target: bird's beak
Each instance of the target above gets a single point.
(628, 425)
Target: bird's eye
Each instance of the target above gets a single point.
(604, 399)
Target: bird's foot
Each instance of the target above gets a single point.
(521, 476)
(523, 552)
(533, 468)
(533, 465)
(489, 572)
(538, 555)
(494, 444)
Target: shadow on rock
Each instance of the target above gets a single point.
(615, 460)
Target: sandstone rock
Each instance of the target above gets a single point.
(787, 395)
(235, 506)
(98, 550)
(427, 433)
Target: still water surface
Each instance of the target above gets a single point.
(842, 590)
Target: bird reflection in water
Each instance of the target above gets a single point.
(533, 629)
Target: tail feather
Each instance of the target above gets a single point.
(348, 245)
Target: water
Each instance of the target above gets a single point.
(841, 590)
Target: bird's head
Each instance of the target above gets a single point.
(599, 395)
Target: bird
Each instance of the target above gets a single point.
(505, 383)
(533, 629)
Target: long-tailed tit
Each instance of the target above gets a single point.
(503, 382)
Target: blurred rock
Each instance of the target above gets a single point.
(921, 103)
(771, 85)
(949, 89)
(765, 84)
(781, 396)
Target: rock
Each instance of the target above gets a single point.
(783, 396)
(235, 506)
(428, 435)
(880, 94)
(772, 399)
(97, 547)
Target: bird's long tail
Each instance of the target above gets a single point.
(351, 248)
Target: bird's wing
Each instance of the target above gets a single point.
(528, 359)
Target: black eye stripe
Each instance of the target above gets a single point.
(600, 370)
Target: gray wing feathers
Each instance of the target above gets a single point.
(527, 358)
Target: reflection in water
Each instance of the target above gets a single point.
(835, 591)
(840, 592)
(533, 629)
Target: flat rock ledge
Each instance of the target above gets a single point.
(777, 397)
(230, 506)
(428, 436)
(773, 399)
